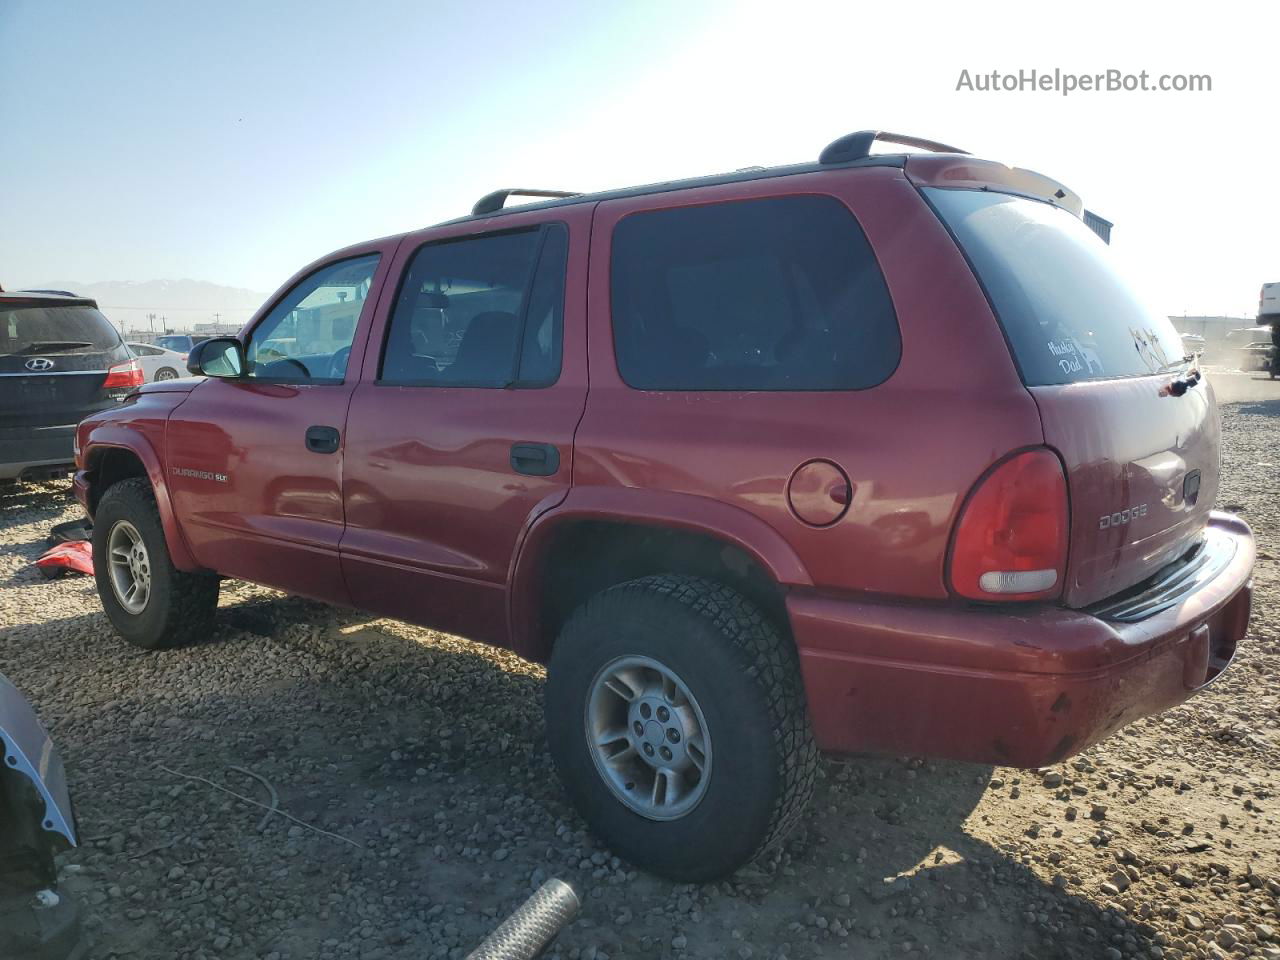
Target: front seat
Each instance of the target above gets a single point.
(487, 351)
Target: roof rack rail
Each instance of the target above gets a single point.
(855, 146)
(493, 202)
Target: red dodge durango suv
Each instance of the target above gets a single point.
(873, 453)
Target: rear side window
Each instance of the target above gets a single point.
(1067, 314)
(481, 312)
(46, 330)
(781, 293)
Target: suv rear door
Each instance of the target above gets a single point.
(1141, 460)
(461, 431)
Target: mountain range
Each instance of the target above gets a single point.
(178, 304)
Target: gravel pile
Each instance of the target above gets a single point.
(416, 805)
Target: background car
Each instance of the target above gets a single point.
(158, 363)
(60, 360)
(1260, 356)
(178, 342)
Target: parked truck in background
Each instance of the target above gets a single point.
(1269, 315)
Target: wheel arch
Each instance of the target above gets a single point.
(598, 537)
(114, 454)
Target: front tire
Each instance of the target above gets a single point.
(151, 603)
(676, 718)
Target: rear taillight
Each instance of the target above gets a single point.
(127, 374)
(1011, 541)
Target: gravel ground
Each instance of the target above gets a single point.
(422, 757)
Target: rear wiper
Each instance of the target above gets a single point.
(1180, 364)
(51, 346)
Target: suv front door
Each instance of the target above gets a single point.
(255, 463)
(461, 430)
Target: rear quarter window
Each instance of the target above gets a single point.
(1067, 314)
(779, 293)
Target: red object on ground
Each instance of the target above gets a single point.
(74, 555)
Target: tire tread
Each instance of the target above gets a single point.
(772, 663)
(193, 597)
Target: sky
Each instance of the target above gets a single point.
(234, 142)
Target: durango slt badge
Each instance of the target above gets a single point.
(199, 474)
(39, 364)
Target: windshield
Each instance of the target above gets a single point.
(1067, 314)
(29, 329)
(178, 343)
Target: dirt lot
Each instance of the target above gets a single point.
(423, 758)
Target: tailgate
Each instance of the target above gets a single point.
(48, 400)
(54, 359)
(1141, 463)
(1142, 473)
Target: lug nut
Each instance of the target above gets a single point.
(645, 711)
(666, 754)
(648, 749)
(639, 728)
(673, 735)
(663, 714)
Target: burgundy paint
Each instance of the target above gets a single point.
(421, 516)
(444, 559)
(1024, 687)
(1150, 443)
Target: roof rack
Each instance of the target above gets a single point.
(855, 146)
(493, 202)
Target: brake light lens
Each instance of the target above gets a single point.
(127, 374)
(1011, 540)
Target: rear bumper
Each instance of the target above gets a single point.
(26, 450)
(1025, 686)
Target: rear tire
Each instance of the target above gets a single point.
(166, 373)
(166, 607)
(720, 664)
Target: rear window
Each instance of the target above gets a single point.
(1067, 314)
(178, 343)
(41, 330)
(780, 293)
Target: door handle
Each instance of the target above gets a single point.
(535, 459)
(322, 439)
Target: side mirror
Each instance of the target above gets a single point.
(217, 357)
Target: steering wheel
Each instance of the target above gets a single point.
(297, 363)
(338, 365)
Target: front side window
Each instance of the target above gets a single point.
(781, 293)
(307, 336)
(481, 312)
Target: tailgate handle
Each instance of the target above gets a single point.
(322, 439)
(535, 459)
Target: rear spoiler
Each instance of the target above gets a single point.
(948, 170)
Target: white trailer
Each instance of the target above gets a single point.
(1269, 303)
